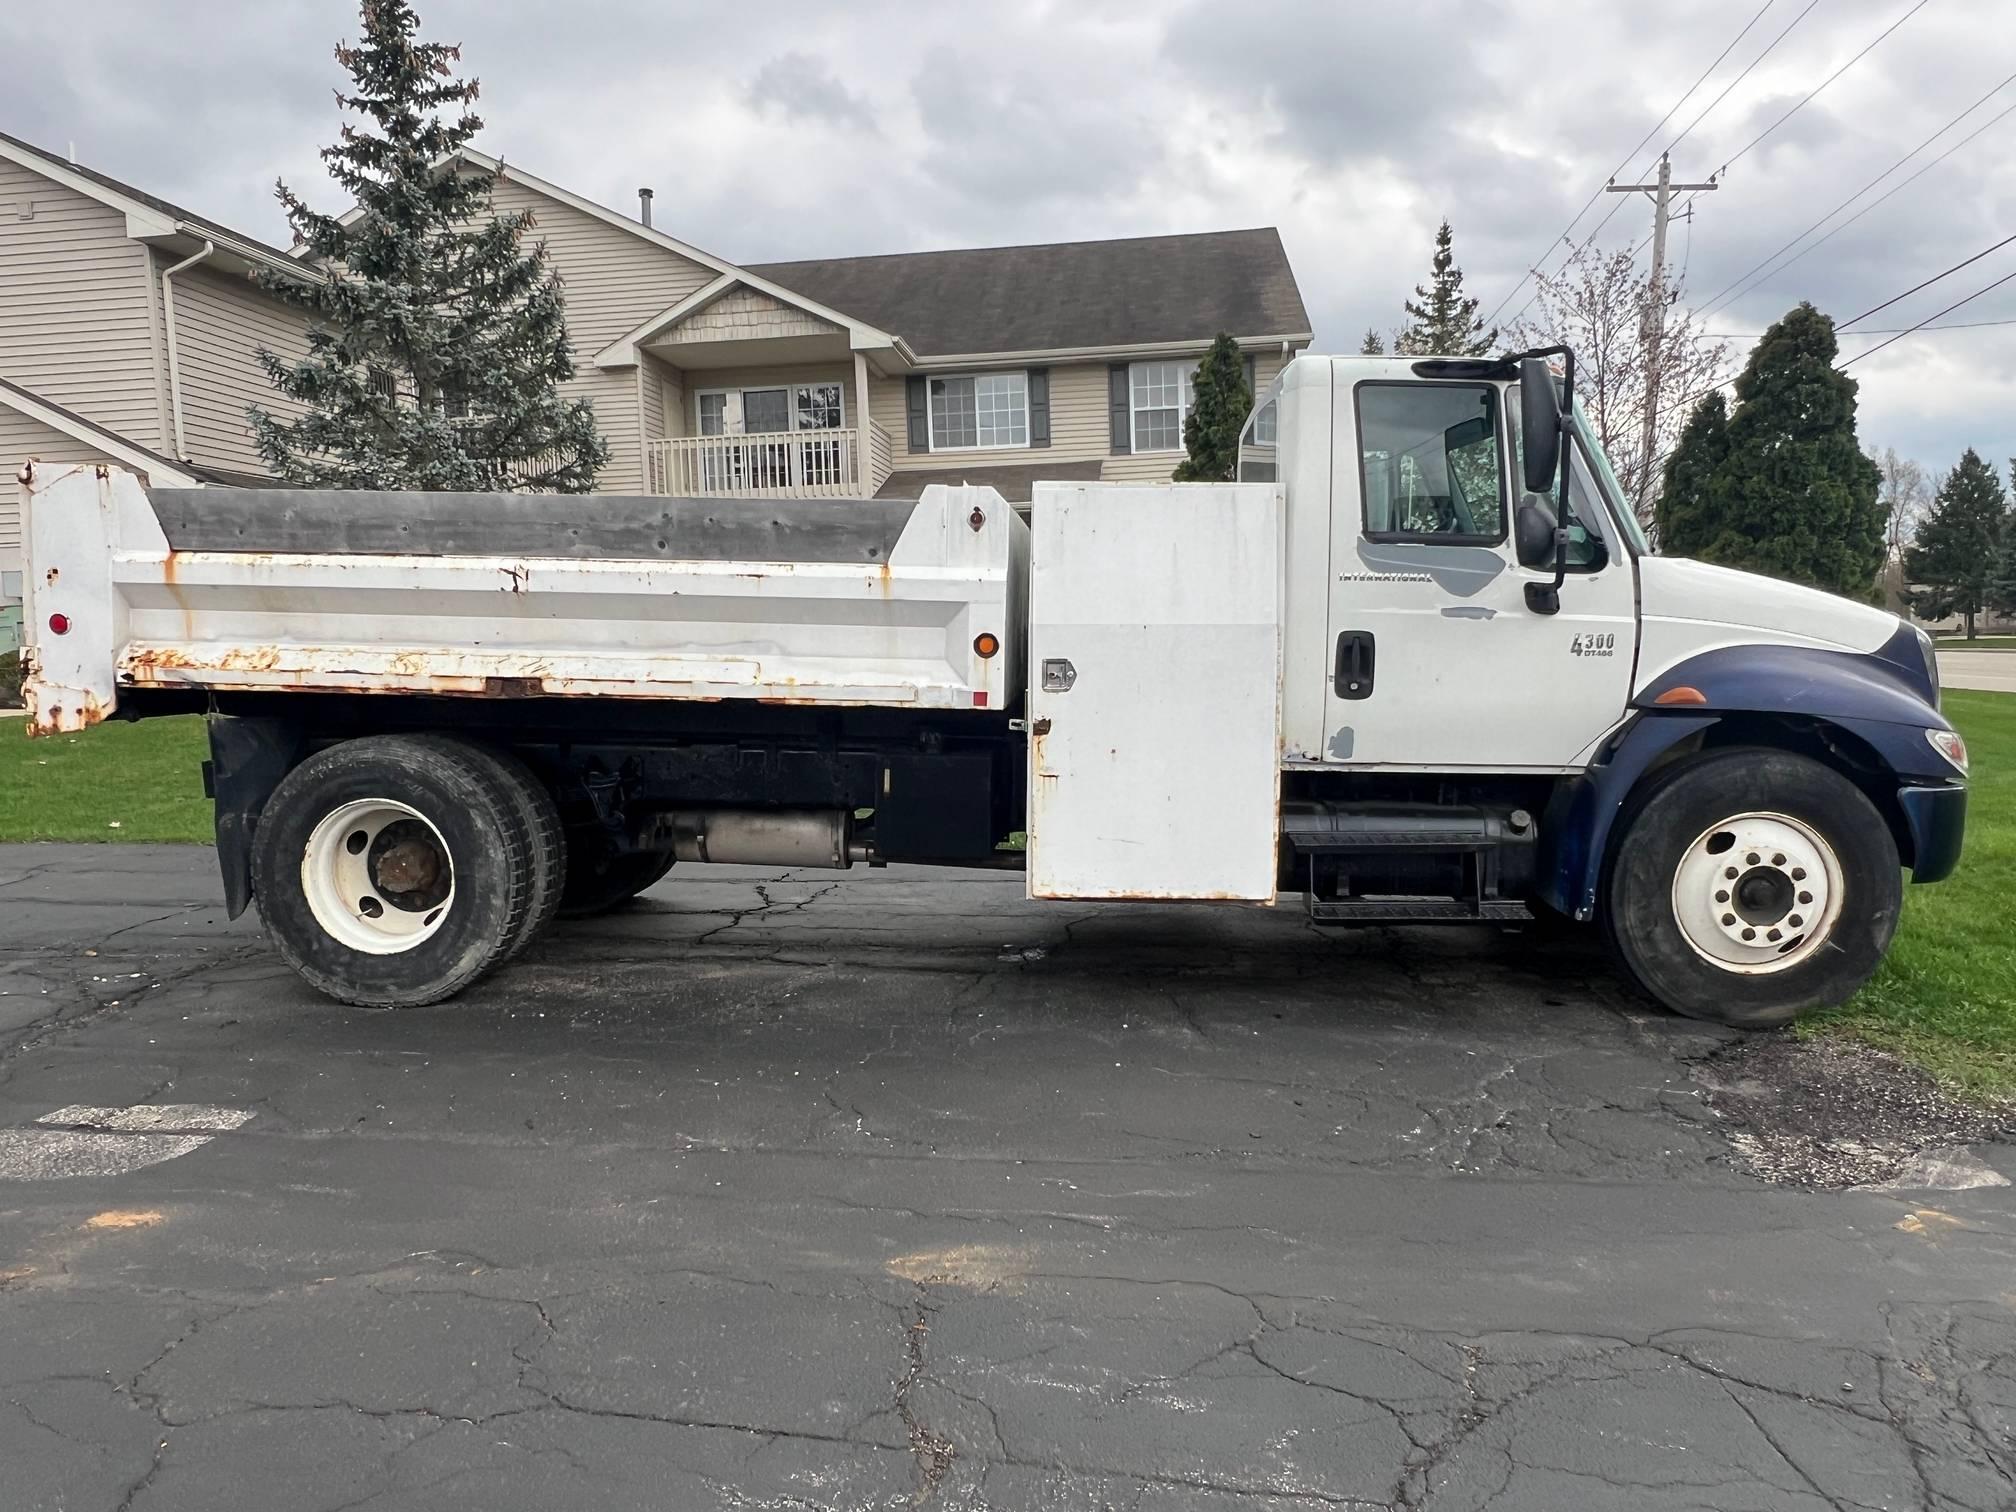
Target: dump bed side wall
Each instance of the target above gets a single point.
(792, 601)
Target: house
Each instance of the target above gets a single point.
(129, 329)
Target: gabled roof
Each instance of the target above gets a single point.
(622, 352)
(1060, 296)
(161, 471)
(148, 214)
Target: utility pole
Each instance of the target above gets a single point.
(1653, 321)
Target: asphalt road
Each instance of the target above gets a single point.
(800, 1191)
(1988, 671)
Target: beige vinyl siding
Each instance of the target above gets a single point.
(706, 380)
(742, 314)
(23, 437)
(663, 397)
(221, 321)
(613, 280)
(1078, 428)
(1155, 467)
(74, 321)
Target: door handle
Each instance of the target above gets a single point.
(1356, 654)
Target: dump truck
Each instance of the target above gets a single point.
(1417, 665)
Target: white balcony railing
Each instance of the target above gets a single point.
(824, 464)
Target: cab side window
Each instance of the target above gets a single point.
(1430, 464)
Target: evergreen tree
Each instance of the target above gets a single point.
(1685, 517)
(1219, 404)
(1441, 321)
(438, 338)
(1953, 566)
(1792, 495)
(1372, 345)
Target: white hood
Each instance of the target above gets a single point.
(1690, 607)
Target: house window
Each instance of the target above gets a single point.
(1160, 398)
(382, 383)
(455, 406)
(980, 411)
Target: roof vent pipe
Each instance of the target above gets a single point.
(644, 205)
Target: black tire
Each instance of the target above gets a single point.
(546, 845)
(599, 881)
(1684, 804)
(469, 799)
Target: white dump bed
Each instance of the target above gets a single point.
(818, 601)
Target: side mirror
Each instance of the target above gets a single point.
(1533, 533)
(1539, 426)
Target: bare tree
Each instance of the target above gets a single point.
(1598, 303)
(1906, 493)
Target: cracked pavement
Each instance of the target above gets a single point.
(772, 1192)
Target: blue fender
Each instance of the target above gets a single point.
(1886, 699)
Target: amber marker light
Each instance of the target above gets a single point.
(986, 643)
(1681, 695)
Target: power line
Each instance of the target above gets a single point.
(1965, 262)
(1826, 81)
(1957, 325)
(1743, 75)
(1969, 299)
(1633, 153)
(1803, 103)
(1744, 279)
(1842, 367)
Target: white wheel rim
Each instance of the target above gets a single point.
(378, 876)
(1757, 893)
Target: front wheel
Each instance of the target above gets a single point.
(1750, 886)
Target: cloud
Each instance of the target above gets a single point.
(802, 88)
(803, 129)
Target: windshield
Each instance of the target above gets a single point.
(1627, 518)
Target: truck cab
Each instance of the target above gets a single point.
(1470, 628)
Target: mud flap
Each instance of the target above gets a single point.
(248, 757)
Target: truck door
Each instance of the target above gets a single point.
(1436, 658)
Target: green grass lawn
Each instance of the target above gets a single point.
(1979, 643)
(1946, 997)
(116, 782)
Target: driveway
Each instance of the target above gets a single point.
(893, 1189)
(1988, 671)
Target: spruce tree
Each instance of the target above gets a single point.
(438, 338)
(1792, 495)
(1954, 565)
(1373, 345)
(1441, 321)
(1684, 518)
(1219, 404)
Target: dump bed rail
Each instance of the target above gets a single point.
(794, 601)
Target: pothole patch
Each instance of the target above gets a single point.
(1836, 1114)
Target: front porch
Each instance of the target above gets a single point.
(849, 462)
(745, 395)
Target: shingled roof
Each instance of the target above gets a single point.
(1134, 292)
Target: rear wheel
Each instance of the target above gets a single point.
(599, 880)
(1750, 886)
(393, 871)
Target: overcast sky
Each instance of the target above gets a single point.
(792, 129)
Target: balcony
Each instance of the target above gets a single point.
(809, 464)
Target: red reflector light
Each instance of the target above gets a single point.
(59, 624)
(979, 698)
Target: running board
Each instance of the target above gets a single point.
(1415, 911)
